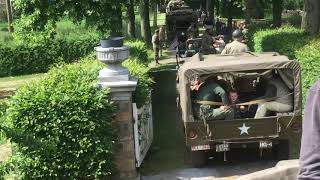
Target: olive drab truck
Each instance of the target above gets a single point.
(178, 19)
(249, 74)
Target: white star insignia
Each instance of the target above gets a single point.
(244, 129)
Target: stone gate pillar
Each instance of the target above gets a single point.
(121, 84)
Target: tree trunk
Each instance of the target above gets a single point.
(131, 17)
(210, 8)
(277, 7)
(254, 9)
(145, 22)
(217, 3)
(155, 15)
(9, 16)
(260, 8)
(310, 18)
(116, 29)
(230, 9)
(224, 8)
(249, 5)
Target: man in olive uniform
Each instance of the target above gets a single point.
(156, 46)
(211, 91)
(284, 102)
(207, 41)
(236, 47)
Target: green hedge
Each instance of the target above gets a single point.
(3, 108)
(285, 40)
(66, 122)
(309, 58)
(138, 50)
(295, 44)
(60, 122)
(141, 71)
(27, 59)
(253, 28)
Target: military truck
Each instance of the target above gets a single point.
(278, 133)
(178, 20)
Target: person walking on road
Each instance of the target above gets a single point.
(162, 38)
(156, 46)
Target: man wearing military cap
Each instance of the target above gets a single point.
(236, 47)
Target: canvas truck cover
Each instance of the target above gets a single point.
(210, 64)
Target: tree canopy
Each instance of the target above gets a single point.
(105, 15)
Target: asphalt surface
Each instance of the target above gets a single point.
(214, 172)
(242, 163)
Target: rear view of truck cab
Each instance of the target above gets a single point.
(266, 114)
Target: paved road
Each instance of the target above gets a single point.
(214, 172)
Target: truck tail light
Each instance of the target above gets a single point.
(296, 127)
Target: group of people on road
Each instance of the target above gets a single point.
(216, 44)
(215, 99)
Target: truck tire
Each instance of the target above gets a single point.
(282, 150)
(198, 158)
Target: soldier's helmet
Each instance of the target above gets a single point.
(237, 34)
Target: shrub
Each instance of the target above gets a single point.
(143, 89)
(309, 58)
(285, 40)
(68, 120)
(138, 50)
(76, 45)
(253, 28)
(36, 58)
(41, 54)
(3, 108)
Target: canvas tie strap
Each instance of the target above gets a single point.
(259, 101)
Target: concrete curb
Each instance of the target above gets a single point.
(284, 170)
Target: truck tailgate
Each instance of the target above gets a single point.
(243, 129)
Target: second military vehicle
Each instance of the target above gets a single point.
(250, 75)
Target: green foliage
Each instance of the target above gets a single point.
(138, 67)
(38, 57)
(296, 44)
(285, 40)
(104, 15)
(309, 58)
(3, 108)
(13, 167)
(64, 124)
(293, 20)
(138, 50)
(24, 33)
(144, 84)
(253, 28)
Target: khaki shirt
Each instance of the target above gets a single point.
(235, 47)
(155, 41)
